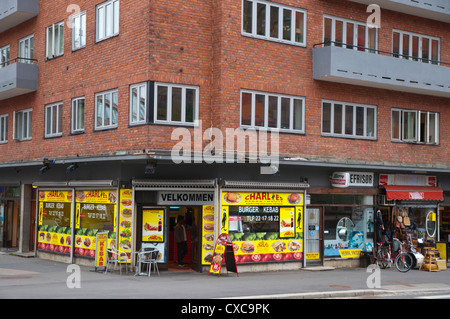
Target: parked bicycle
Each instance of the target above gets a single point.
(397, 256)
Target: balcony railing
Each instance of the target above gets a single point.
(18, 76)
(431, 9)
(380, 69)
(14, 12)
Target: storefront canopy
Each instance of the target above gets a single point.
(414, 193)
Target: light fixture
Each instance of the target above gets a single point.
(46, 166)
(150, 168)
(71, 168)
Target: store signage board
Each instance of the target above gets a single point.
(223, 252)
(100, 249)
(185, 198)
(407, 180)
(352, 179)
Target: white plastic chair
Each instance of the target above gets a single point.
(147, 256)
(116, 257)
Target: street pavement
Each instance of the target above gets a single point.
(34, 278)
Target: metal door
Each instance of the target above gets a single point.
(313, 235)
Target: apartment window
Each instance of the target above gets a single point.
(138, 104)
(79, 31)
(268, 110)
(78, 115)
(176, 104)
(3, 128)
(107, 19)
(414, 126)
(55, 40)
(273, 21)
(349, 34)
(343, 119)
(26, 49)
(106, 109)
(53, 120)
(22, 123)
(4, 56)
(416, 47)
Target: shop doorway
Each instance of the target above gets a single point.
(313, 235)
(192, 221)
(9, 223)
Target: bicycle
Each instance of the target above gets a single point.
(401, 259)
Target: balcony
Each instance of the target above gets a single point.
(14, 12)
(380, 70)
(431, 9)
(18, 78)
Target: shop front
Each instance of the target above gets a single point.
(70, 214)
(410, 207)
(347, 211)
(9, 216)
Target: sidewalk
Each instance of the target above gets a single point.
(25, 277)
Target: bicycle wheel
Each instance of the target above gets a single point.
(403, 262)
(383, 258)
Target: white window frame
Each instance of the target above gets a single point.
(53, 47)
(183, 88)
(281, 9)
(23, 132)
(366, 134)
(76, 127)
(26, 49)
(3, 128)
(79, 31)
(420, 47)
(53, 119)
(4, 56)
(107, 20)
(351, 46)
(417, 129)
(279, 97)
(141, 89)
(113, 121)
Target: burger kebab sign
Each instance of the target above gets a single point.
(352, 179)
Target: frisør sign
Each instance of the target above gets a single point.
(352, 179)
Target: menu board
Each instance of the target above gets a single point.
(125, 219)
(153, 225)
(264, 226)
(207, 234)
(54, 221)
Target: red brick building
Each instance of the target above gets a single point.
(106, 87)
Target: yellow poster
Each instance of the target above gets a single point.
(262, 199)
(208, 233)
(125, 219)
(100, 250)
(152, 225)
(287, 228)
(350, 253)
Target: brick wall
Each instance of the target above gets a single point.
(200, 43)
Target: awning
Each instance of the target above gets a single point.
(414, 193)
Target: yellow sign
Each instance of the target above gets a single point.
(100, 249)
(350, 253)
(208, 233)
(287, 215)
(262, 199)
(312, 255)
(152, 225)
(55, 196)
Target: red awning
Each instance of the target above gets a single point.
(414, 193)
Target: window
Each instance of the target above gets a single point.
(55, 40)
(284, 112)
(78, 115)
(107, 19)
(415, 126)
(416, 47)
(79, 31)
(4, 56)
(23, 128)
(343, 119)
(106, 109)
(3, 128)
(349, 34)
(273, 21)
(138, 104)
(176, 104)
(26, 49)
(53, 120)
